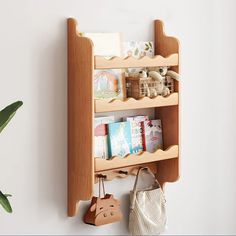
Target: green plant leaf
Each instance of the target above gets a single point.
(5, 203)
(7, 113)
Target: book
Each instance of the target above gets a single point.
(103, 120)
(136, 132)
(108, 84)
(119, 139)
(152, 135)
(105, 44)
(100, 136)
(136, 118)
(101, 147)
(137, 50)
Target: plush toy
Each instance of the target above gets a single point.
(159, 74)
(164, 71)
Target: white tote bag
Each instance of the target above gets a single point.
(147, 208)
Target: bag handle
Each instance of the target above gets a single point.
(136, 183)
(101, 181)
(138, 175)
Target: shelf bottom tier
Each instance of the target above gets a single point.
(136, 159)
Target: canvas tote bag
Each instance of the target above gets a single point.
(147, 208)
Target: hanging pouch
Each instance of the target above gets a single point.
(104, 210)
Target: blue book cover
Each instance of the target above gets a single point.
(119, 139)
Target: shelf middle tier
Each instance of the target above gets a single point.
(131, 103)
(131, 62)
(136, 159)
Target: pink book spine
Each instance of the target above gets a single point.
(143, 135)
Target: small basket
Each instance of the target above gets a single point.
(169, 83)
(138, 87)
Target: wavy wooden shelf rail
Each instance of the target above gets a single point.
(118, 62)
(136, 159)
(131, 103)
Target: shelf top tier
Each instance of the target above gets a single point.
(118, 62)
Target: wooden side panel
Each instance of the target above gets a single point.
(164, 45)
(169, 118)
(168, 170)
(80, 118)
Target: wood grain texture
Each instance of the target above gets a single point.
(164, 45)
(118, 62)
(135, 159)
(80, 118)
(131, 103)
(168, 170)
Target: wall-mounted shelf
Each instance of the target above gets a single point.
(82, 166)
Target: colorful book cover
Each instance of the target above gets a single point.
(136, 132)
(108, 84)
(100, 136)
(119, 139)
(137, 50)
(152, 135)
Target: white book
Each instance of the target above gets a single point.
(105, 44)
(108, 84)
(100, 136)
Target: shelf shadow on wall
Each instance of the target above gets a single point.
(52, 118)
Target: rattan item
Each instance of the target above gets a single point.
(137, 87)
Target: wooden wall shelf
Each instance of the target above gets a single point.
(131, 103)
(118, 62)
(136, 159)
(82, 166)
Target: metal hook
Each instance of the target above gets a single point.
(123, 172)
(102, 176)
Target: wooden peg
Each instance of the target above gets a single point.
(123, 172)
(102, 176)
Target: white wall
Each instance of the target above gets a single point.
(33, 68)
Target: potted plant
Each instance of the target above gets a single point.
(5, 116)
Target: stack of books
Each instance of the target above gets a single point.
(133, 135)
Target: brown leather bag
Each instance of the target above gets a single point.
(104, 210)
